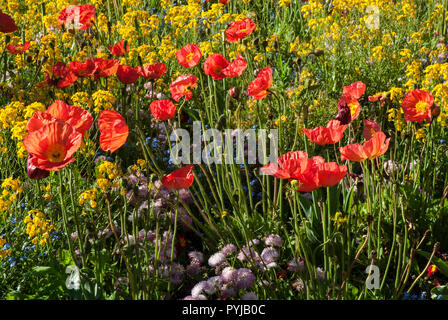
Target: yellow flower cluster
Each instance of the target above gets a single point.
(38, 227)
(108, 176)
(103, 100)
(89, 197)
(82, 100)
(11, 188)
(15, 117)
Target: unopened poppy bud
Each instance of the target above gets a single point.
(435, 112)
(34, 172)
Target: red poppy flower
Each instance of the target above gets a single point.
(127, 74)
(218, 67)
(152, 71)
(330, 174)
(162, 109)
(356, 89)
(119, 49)
(236, 67)
(330, 134)
(289, 165)
(214, 65)
(105, 68)
(181, 87)
(38, 120)
(258, 89)
(79, 118)
(179, 179)
(371, 149)
(114, 130)
(350, 96)
(60, 76)
(78, 17)
(417, 105)
(309, 179)
(18, 48)
(7, 24)
(83, 69)
(370, 127)
(53, 145)
(240, 29)
(189, 55)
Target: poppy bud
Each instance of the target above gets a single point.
(34, 172)
(435, 112)
(344, 115)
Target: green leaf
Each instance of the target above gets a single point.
(440, 290)
(43, 269)
(442, 265)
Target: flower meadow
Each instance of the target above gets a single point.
(92, 205)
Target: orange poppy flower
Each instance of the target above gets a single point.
(289, 165)
(236, 67)
(152, 71)
(119, 49)
(310, 174)
(53, 145)
(330, 134)
(308, 179)
(18, 48)
(240, 29)
(77, 117)
(162, 109)
(78, 17)
(356, 89)
(371, 149)
(105, 68)
(258, 89)
(217, 66)
(127, 74)
(181, 87)
(189, 55)
(330, 174)
(114, 130)
(319, 173)
(350, 96)
(179, 179)
(83, 69)
(7, 24)
(214, 65)
(370, 127)
(417, 106)
(60, 76)
(38, 120)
